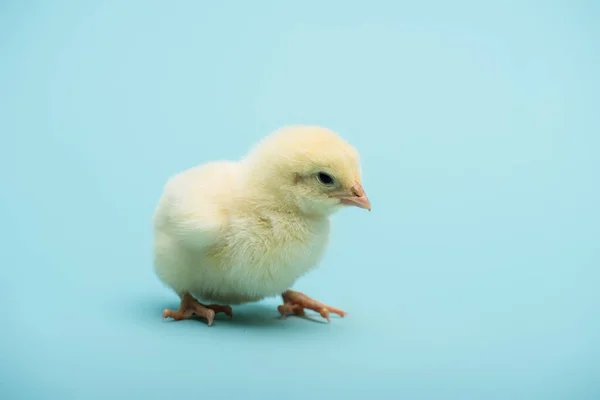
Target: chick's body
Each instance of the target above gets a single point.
(239, 231)
(213, 243)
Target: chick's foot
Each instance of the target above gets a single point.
(296, 302)
(190, 306)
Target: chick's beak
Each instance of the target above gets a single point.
(357, 197)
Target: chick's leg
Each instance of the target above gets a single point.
(190, 306)
(296, 302)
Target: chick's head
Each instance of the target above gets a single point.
(309, 168)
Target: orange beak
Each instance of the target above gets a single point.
(357, 197)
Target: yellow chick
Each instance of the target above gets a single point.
(233, 232)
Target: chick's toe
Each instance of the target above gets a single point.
(190, 306)
(296, 302)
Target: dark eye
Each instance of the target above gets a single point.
(324, 178)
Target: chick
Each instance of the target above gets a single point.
(234, 232)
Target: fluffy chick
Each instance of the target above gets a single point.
(233, 232)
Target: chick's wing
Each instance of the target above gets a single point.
(193, 209)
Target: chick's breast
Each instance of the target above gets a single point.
(263, 255)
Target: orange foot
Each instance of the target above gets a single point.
(296, 302)
(190, 306)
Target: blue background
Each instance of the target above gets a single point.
(475, 276)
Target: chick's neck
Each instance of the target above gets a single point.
(264, 190)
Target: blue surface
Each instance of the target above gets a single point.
(475, 276)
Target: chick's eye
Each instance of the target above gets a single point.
(324, 178)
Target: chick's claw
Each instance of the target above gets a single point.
(190, 306)
(217, 308)
(296, 302)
